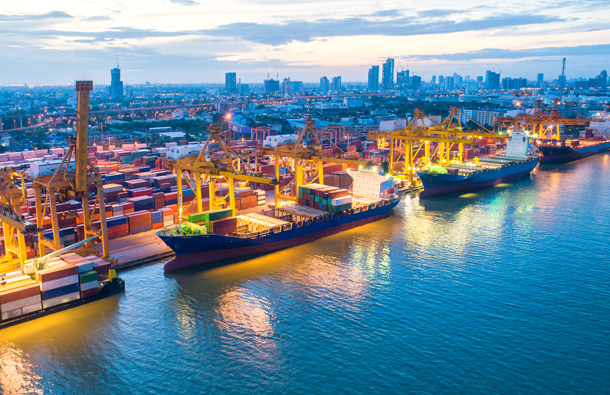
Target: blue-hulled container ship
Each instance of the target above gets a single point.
(321, 211)
(567, 150)
(518, 162)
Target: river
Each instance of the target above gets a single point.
(503, 291)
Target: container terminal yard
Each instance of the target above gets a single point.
(73, 217)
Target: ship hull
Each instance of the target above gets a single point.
(200, 250)
(444, 184)
(564, 154)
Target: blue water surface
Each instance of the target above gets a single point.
(503, 291)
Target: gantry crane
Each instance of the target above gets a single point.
(420, 132)
(541, 121)
(232, 167)
(71, 182)
(15, 226)
(302, 152)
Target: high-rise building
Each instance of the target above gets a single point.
(373, 84)
(271, 86)
(433, 80)
(286, 86)
(336, 85)
(243, 89)
(402, 78)
(116, 85)
(540, 80)
(231, 82)
(441, 79)
(324, 85)
(388, 74)
(448, 83)
(492, 80)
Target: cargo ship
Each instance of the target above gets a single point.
(321, 211)
(518, 162)
(567, 150)
(63, 282)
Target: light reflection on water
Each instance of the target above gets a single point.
(504, 290)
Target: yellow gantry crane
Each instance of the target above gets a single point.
(230, 167)
(15, 226)
(306, 150)
(542, 121)
(420, 132)
(70, 181)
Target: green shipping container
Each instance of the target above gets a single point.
(87, 277)
(198, 217)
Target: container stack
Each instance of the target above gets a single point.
(59, 284)
(159, 200)
(117, 227)
(22, 298)
(139, 221)
(260, 197)
(156, 218)
(331, 199)
(168, 216)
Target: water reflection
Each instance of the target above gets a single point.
(17, 374)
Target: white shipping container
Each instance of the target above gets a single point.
(11, 313)
(60, 299)
(31, 308)
(60, 282)
(341, 201)
(18, 304)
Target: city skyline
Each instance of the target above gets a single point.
(185, 41)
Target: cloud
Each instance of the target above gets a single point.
(32, 17)
(497, 53)
(184, 2)
(300, 30)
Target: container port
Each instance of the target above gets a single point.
(110, 207)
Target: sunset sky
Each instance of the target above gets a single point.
(182, 41)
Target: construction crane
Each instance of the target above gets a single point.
(231, 167)
(420, 132)
(306, 150)
(15, 226)
(541, 121)
(70, 181)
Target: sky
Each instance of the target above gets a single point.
(197, 41)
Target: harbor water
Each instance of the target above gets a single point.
(501, 291)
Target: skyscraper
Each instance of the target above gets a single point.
(271, 86)
(231, 82)
(336, 86)
(373, 78)
(492, 80)
(540, 80)
(324, 85)
(116, 85)
(388, 74)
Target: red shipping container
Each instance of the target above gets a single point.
(87, 293)
(56, 272)
(19, 293)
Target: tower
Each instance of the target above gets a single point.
(388, 74)
(373, 80)
(116, 85)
